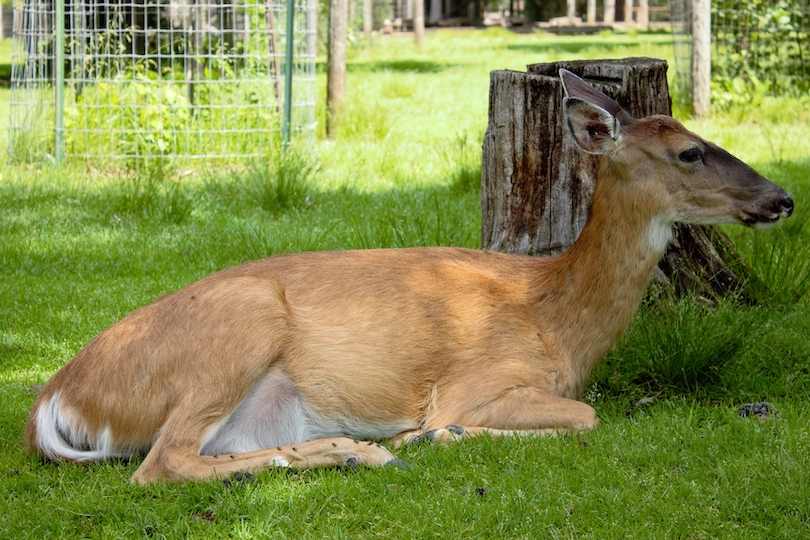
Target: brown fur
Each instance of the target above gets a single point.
(413, 340)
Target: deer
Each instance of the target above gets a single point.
(313, 359)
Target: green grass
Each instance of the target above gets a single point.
(81, 248)
(622, 481)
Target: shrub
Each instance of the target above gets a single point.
(760, 46)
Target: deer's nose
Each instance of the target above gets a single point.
(784, 206)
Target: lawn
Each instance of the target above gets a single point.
(80, 248)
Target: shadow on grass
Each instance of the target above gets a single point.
(5, 74)
(572, 47)
(408, 66)
(223, 221)
(399, 66)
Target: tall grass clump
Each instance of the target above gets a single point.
(677, 348)
(283, 179)
(362, 117)
(781, 260)
(461, 163)
(151, 192)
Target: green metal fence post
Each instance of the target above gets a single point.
(288, 73)
(59, 82)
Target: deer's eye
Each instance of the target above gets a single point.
(690, 156)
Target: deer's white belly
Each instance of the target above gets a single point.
(275, 414)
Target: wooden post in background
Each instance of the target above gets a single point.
(419, 22)
(590, 10)
(537, 187)
(643, 19)
(312, 26)
(609, 14)
(336, 61)
(701, 56)
(368, 20)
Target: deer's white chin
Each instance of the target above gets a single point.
(764, 224)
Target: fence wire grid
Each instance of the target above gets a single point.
(160, 78)
(765, 42)
(760, 46)
(680, 20)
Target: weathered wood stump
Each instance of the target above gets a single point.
(537, 187)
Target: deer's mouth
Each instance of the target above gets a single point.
(758, 221)
(766, 217)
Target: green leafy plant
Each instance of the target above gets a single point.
(760, 46)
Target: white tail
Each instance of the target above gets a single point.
(286, 361)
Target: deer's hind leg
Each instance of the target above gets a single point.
(205, 438)
(171, 461)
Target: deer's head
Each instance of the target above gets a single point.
(689, 179)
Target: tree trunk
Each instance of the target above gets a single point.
(537, 187)
(571, 10)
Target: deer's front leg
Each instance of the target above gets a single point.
(516, 411)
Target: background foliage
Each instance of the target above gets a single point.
(760, 47)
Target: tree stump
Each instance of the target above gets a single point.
(537, 187)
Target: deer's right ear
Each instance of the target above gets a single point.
(595, 130)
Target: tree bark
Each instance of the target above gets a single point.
(537, 187)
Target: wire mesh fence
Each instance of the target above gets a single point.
(758, 47)
(765, 42)
(140, 79)
(680, 17)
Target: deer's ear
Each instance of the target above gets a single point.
(595, 130)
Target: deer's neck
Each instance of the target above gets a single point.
(598, 284)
